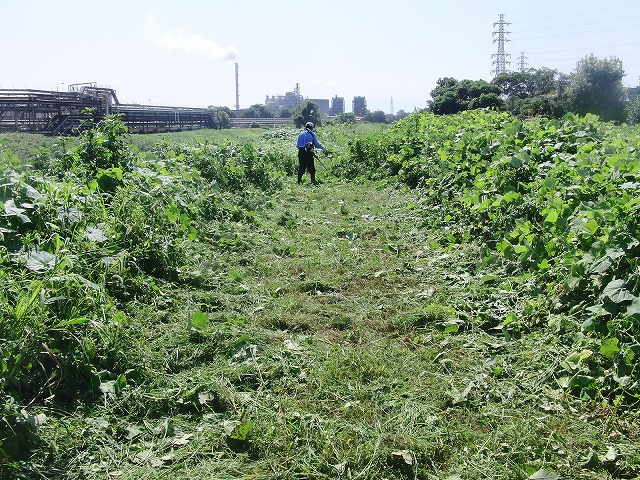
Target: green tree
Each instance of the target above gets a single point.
(443, 85)
(445, 97)
(222, 115)
(535, 92)
(487, 100)
(479, 88)
(257, 111)
(400, 114)
(446, 103)
(514, 84)
(453, 96)
(307, 112)
(596, 87)
(634, 111)
(347, 117)
(377, 116)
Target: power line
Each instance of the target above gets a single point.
(580, 24)
(581, 13)
(581, 49)
(565, 33)
(590, 32)
(573, 58)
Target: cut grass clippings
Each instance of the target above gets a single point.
(329, 331)
(334, 349)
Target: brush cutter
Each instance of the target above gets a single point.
(315, 155)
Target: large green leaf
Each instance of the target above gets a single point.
(634, 308)
(95, 234)
(609, 348)
(544, 474)
(40, 261)
(552, 216)
(12, 210)
(239, 430)
(200, 321)
(32, 193)
(601, 265)
(616, 292)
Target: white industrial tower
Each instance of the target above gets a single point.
(237, 91)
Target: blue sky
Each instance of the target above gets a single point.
(170, 52)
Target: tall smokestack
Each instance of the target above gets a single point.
(237, 91)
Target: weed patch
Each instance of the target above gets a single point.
(455, 300)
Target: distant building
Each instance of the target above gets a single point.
(288, 101)
(337, 106)
(323, 103)
(359, 106)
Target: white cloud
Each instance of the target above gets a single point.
(185, 41)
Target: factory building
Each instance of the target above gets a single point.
(359, 106)
(323, 103)
(337, 106)
(288, 101)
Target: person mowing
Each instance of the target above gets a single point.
(307, 141)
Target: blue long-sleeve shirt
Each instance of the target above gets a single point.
(308, 136)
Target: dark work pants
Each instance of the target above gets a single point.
(305, 162)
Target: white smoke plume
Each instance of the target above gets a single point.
(185, 41)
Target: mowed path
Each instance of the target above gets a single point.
(342, 344)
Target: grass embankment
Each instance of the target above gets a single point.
(323, 332)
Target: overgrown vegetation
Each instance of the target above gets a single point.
(555, 204)
(457, 300)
